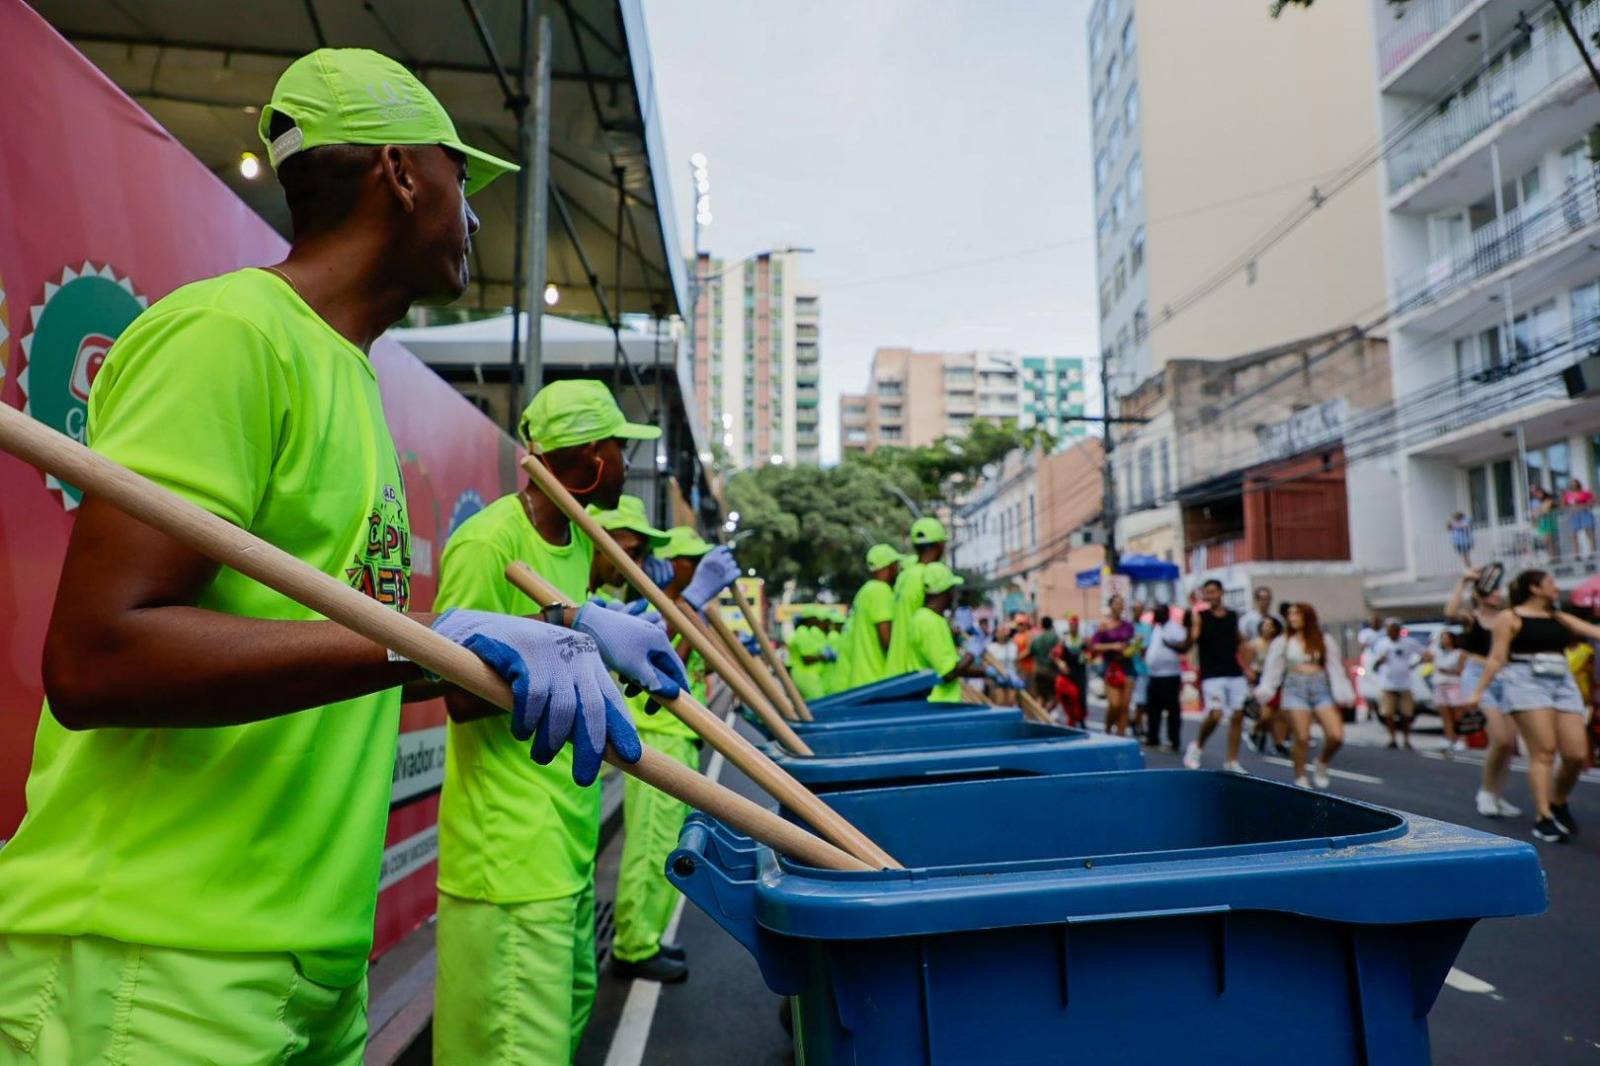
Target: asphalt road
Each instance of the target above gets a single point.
(1525, 991)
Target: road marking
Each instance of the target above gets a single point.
(1520, 765)
(1333, 771)
(1462, 981)
(639, 1010)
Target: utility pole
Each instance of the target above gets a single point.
(1108, 480)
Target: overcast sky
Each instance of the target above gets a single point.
(935, 153)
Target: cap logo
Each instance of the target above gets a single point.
(391, 101)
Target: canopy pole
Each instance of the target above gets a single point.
(537, 210)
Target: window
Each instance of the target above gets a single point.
(1550, 466)
(1505, 491)
(1129, 39)
(1147, 480)
(1033, 524)
(1113, 71)
(1105, 297)
(1141, 324)
(1114, 140)
(1097, 38)
(1119, 206)
(1135, 177)
(1102, 225)
(1586, 312)
(1166, 468)
(890, 412)
(892, 433)
(1101, 168)
(1121, 275)
(1136, 250)
(1099, 104)
(1532, 331)
(1130, 106)
(1478, 495)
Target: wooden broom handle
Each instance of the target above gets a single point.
(770, 654)
(741, 655)
(735, 748)
(742, 686)
(227, 544)
(1030, 706)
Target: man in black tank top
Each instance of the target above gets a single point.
(1214, 632)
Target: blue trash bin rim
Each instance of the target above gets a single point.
(1412, 869)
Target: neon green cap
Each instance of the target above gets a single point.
(937, 578)
(629, 513)
(927, 530)
(565, 414)
(683, 542)
(880, 556)
(358, 96)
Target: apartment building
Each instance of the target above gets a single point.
(916, 397)
(757, 358)
(1491, 216)
(1212, 123)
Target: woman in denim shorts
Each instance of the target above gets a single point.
(1476, 611)
(1529, 658)
(1305, 670)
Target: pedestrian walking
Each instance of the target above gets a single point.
(1044, 664)
(1305, 669)
(1448, 662)
(1163, 659)
(1003, 650)
(1460, 532)
(1142, 629)
(1530, 643)
(1110, 646)
(1476, 605)
(1271, 727)
(1371, 631)
(1392, 657)
(1214, 632)
(1260, 610)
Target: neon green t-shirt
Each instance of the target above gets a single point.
(907, 600)
(835, 674)
(933, 647)
(510, 830)
(807, 640)
(266, 837)
(868, 660)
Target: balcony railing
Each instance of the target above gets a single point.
(1563, 541)
(1550, 58)
(1415, 24)
(1216, 553)
(1518, 233)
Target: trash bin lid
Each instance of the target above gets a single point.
(1143, 843)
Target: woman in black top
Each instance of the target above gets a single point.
(1529, 650)
(1476, 611)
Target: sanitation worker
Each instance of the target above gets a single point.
(651, 818)
(196, 876)
(872, 618)
(928, 541)
(933, 644)
(517, 840)
(806, 654)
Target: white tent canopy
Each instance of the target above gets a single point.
(568, 342)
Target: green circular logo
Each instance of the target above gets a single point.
(71, 331)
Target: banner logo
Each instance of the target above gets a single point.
(71, 331)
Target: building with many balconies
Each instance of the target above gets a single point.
(1492, 224)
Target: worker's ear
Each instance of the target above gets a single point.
(399, 175)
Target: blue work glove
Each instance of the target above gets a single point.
(658, 570)
(561, 691)
(637, 608)
(1015, 681)
(635, 649)
(751, 644)
(994, 674)
(717, 570)
(829, 655)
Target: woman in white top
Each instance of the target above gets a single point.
(1305, 663)
(1448, 662)
(1004, 651)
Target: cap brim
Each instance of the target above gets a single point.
(483, 167)
(637, 431)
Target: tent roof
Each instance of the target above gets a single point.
(202, 68)
(567, 343)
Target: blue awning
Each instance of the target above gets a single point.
(1136, 568)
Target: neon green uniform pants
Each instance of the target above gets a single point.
(72, 999)
(651, 820)
(515, 982)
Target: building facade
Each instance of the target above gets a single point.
(1491, 218)
(1212, 125)
(914, 398)
(1052, 394)
(1031, 528)
(757, 358)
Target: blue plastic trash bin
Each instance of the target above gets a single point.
(913, 686)
(921, 748)
(878, 715)
(1132, 917)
